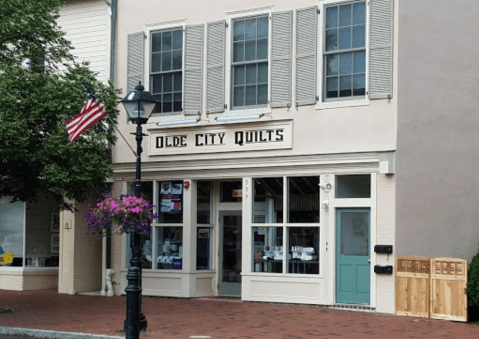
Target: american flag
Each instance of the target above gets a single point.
(91, 112)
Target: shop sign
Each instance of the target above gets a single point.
(261, 136)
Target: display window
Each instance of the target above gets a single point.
(170, 202)
(268, 249)
(204, 248)
(268, 200)
(231, 191)
(146, 255)
(303, 199)
(169, 250)
(303, 247)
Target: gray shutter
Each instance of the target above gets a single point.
(306, 49)
(135, 60)
(380, 49)
(193, 69)
(215, 64)
(281, 37)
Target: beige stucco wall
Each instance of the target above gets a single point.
(315, 131)
(437, 153)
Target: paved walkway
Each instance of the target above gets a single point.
(216, 318)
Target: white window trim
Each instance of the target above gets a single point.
(321, 103)
(229, 17)
(150, 28)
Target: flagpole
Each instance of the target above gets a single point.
(85, 87)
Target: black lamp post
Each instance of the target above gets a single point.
(139, 105)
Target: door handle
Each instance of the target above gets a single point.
(369, 260)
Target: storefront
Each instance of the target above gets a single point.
(279, 229)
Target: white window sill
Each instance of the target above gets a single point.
(166, 117)
(239, 111)
(342, 104)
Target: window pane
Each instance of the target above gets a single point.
(250, 97)
(156, 62)
(177, 59)
(331, 17)
(303, 199)
(156, 42)
(332, 67)
(238, 96)
(262, 94)
(353, 186)
(238, 51)
(177, 96)
(346, 60)
(170, 248)
(345, 38)
(359, 64)
(156, 83)
(229, 191)
(345, 15)
(359, 36)
(204, 246)
(12, 229)
(250, 29)
(332, 87)
(167, 83)
(262, 49)
(268, 200)
(167, 103)
(250, 50)
(166, 61)
(268, 249)
(359, 84)
(166, 41)
(303, 245)
(203, 202)
(239, 75)
(331, 39)
(359, 13)
(238, 30)
(263, 72)
(355, 233)
(178, 39)
(177, 106)
(178, 81)
(345, 85)
(170, 202)
(263, 27)
(251, 74)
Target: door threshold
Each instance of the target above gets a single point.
(354, 307)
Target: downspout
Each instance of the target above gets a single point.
(114, 4)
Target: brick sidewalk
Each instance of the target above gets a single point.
(221, 318)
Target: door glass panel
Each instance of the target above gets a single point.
(353, 186)
(355, 233)
(231, 248)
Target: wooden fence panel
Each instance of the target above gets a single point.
(413, 286)
(448, 289)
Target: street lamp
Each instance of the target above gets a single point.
(139, 105)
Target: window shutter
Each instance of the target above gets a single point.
(215, 63)
(380, 49)
(193, 69)
(135, 60)
(306, 49)
(281, 33)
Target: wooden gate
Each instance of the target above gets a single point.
(412, 286)
(448, 289)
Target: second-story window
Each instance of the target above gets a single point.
(166, 70)
(249, 71)
(345, 51)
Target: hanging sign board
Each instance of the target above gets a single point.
(224, 138)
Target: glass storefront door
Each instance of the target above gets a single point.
(230, 253)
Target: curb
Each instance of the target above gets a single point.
(46, 334)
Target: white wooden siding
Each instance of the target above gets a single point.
(87, 26)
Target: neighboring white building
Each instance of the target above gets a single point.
(45, 254)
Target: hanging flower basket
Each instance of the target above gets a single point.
(123, 214)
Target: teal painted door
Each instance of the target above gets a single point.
(352, 256)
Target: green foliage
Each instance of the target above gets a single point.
(473, 281)
(36, 155)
